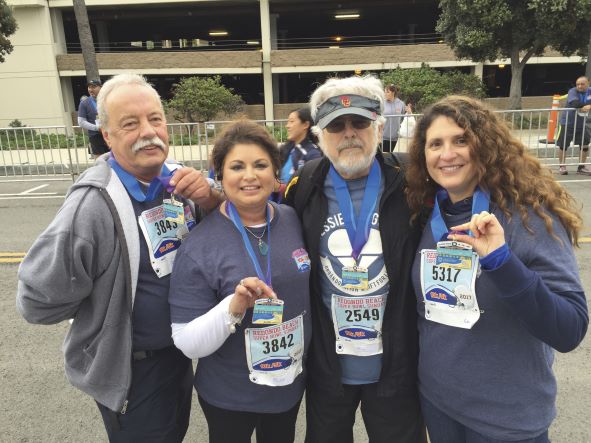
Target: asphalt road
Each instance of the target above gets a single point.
(38, 405)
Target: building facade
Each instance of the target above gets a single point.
(271, 52)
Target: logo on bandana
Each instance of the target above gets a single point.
(345, 101)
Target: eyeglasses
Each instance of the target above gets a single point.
(338, 124)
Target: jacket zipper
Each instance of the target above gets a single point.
(119, 228)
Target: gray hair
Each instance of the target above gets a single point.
(366, 86)
(114, 83)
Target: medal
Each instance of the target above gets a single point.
(267, 311)
(173, 210)
(355, 277)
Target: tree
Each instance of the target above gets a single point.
(8, 27)
(202, 99)
(483, 30)
(86, 41)
(426, 85)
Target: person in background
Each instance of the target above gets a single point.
(495, 276)
(87, 119)
(243, 307)
(574, 126)
(105, 262)
(301, 145)
(394, 108)
(356, 227)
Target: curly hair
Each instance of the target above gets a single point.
(514, 178)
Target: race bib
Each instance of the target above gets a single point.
(358, 324)
(448, 279)
(274, 354)
(163, 237)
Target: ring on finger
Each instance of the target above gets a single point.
(241, 282)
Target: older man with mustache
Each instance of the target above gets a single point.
(357, 232)
(105, 262)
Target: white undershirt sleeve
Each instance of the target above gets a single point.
(205, 334)
(83, 123)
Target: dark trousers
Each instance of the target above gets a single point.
(389, 145)
(444, 429)
(237, 427)
(330, 417)
(159, 402)
(98, 145)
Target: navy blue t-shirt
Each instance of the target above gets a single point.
(151, 311)
(335, 252)
(207, 269)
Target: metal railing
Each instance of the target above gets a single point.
(27, 153)
(250, 44)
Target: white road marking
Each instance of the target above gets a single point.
(45, 195)
(28, 191)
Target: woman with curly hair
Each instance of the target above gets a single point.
(495, 276)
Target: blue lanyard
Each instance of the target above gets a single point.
(93, 103)
(480, 202)
(233, 213)
(357, 228)
(133, 186)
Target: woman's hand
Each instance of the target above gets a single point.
(247, 292)
(488, 233)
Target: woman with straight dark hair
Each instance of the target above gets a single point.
(239, 297)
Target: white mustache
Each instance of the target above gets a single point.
(154, 141)
(349, 144)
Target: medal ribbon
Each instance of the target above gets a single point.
(480, 202)
(357, 228)
(233, 213)
(133, 186)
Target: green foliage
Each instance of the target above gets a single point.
(426, 85)
(202, 99)
(16, 123)
(483, 30)
(21, 137)
(8, 27)
(489, 29)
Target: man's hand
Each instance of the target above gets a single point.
(190, 183)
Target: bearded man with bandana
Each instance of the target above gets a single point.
(357, 232)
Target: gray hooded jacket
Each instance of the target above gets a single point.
(85, 266)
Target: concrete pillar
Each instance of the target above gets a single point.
(266, 64)
(57, 29)
(478, 70)
(102, 36)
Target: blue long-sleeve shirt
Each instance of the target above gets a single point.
(575, 99)
(488, 377)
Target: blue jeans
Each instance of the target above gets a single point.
(444, 429)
